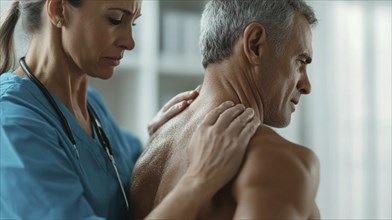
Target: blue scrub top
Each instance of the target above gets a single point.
(41, 176)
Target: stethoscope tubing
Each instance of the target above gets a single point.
(101, 134)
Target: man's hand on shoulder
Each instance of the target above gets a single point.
(278, 180)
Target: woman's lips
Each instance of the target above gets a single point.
(113, 61)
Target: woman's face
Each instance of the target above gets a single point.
(95, 35)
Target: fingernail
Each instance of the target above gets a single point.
(258, 121)
(241, 106)
(229, 103)
(179, 105)
(194, 92)
(190, 101)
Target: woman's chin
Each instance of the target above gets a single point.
(107, 74)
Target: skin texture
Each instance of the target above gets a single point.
(90, 42)
(278, 179)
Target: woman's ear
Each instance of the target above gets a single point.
(55, 10)
(255, 40)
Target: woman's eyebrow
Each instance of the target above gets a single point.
(122, 10)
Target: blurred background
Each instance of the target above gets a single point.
(346, 120)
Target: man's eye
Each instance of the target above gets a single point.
(114, 21)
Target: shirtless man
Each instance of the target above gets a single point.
(255, 52)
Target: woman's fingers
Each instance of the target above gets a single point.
(247, 133)
(229, 116)
(198, 88)
(218, 145)
(213, 116)
(237, 125)
(190, 95)
(172, 108)
(162, 117)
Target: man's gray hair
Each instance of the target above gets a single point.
(224, 21)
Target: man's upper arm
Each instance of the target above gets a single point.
(276, 184)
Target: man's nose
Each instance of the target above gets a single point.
(304, 85)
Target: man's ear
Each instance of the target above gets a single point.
(54, 9)
(255, 39)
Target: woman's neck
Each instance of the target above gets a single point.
(61, 77)
(48, 62)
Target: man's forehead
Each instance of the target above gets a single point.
(302, 36)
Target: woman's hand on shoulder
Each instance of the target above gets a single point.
(218, 146)
(172, 108)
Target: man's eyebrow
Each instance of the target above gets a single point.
(307, 58)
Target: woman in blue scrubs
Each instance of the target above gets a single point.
(62, 154)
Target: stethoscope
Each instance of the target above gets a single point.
(96, 124)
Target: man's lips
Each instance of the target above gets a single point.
(295, 101)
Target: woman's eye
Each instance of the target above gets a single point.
(114, 21)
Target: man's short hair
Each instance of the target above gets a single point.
(224, 21)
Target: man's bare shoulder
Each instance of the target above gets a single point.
(285, 173)
(271, 154)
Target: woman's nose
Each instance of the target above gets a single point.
(127, 42)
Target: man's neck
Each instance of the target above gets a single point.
(229, 81)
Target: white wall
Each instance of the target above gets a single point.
(347, 118)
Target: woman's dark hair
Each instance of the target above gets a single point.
(30, 12)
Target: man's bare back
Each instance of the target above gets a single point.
(278, 179)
